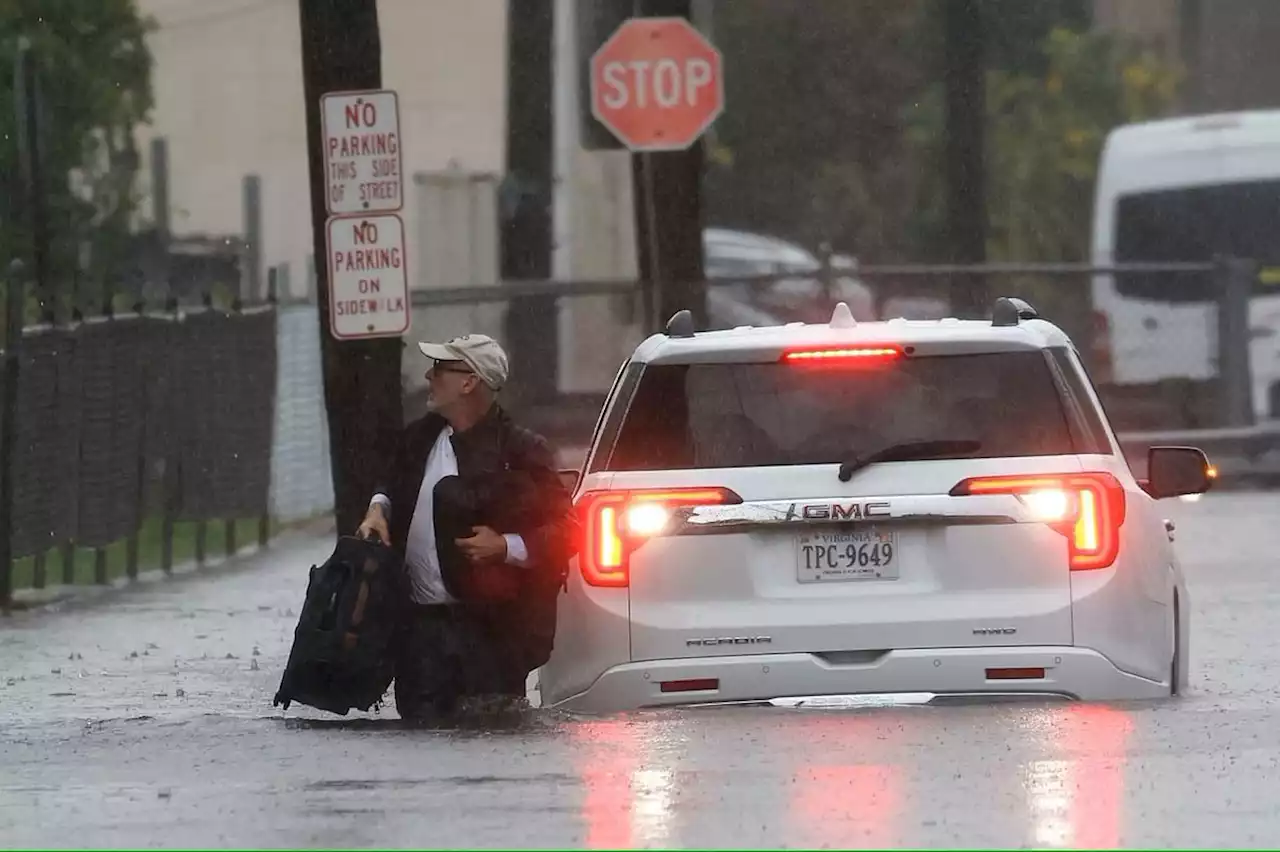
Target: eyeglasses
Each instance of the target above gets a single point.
(441, 367)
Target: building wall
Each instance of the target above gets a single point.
(229, 100)
(1238, 65)
(1153, 19)
(1227, 47)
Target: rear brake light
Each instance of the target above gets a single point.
(615, 523)
(1093, 510)
(837, 355)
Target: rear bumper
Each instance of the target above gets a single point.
(1077, 673)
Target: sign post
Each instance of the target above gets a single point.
(657, 84)
(364, 235)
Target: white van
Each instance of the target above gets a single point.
(1185, 190)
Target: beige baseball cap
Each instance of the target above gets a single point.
(480, 352)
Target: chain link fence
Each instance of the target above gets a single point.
(137, 434)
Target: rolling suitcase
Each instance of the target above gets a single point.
(342, 647)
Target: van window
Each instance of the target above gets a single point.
(1191, 225)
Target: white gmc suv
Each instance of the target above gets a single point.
(805, 512)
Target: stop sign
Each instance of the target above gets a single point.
(657, 84)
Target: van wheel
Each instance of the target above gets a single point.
(1273, 400)
(1175, 686)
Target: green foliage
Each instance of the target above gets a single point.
(833, 129)
(95, 71)
(1015, 31)
(1044, 137)
(808, 146)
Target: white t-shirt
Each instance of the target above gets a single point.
(421, 556)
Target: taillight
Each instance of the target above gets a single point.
(615, 523)
(843, 355)
(1087, 508)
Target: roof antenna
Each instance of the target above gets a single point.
(1009, 311)
(842, 317)
(680, 324)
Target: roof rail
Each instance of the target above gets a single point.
(1009, 311)
(680, 324)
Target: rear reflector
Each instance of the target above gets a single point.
(1015, 674)
(694, 685)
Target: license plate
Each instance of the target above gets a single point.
(864, 554)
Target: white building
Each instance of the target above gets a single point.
(229, 102)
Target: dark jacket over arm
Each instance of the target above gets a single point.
(554, 540)
(508, 480)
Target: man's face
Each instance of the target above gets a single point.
(448, 383)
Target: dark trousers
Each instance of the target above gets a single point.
(449, 652)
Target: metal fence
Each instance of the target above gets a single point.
(140, 425)
(199, 414)
(600, 322)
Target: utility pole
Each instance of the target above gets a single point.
(565, 144)
(1190, 28)
(27, 115)
(342, 51)
(532, 321)
(32, 153)
(668, 200)
(964, 74)
(15, 293)
(669, 255)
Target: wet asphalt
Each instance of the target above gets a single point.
(144, 719)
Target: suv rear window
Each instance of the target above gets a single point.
(758, 415)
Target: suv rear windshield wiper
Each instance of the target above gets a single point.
(908, 451)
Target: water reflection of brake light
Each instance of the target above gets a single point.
(610, 754)
(630, 788)
(1075, 798)
(846, 797)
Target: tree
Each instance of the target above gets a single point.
(809, 144)
(964, 144)
(1045, 135)
(964, 39)
(95, 79)
(676, 185)
(1046, 132)
(342, 50)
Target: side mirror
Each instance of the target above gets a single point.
(569, 478)
(1175, 471)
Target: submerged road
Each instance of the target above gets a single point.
(146, 720)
